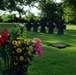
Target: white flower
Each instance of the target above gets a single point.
(22, 25)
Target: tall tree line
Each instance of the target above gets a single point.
(50, 10)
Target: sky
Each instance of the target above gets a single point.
(34, 10)
(58, 1)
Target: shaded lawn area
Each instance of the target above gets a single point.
(6, 26)
(54, 61)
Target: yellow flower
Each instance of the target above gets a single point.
(27, 48)
(15, 63)
(21, 58)
(26, 41)
(18, 43)
(19, 50)
(16, 57)
(29, 53)
(18, 38)
(14, 42)
(14, 46)
(28, 59)
(13, 52)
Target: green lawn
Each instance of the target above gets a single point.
(54, 61)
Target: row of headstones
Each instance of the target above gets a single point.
(51, 26)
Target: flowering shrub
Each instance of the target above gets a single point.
(16, 52)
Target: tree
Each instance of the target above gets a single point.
(70, 2)
(59, 10)
(69, 8)
(16, 5)
(69, 14)
(2, 4)
(6, 17)
(48, 8)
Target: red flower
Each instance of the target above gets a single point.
(4, 36)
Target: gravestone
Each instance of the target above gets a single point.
(59, 45)
(60, 26)
(43, 24)
(51, 27)
(28, 26)
(35, 26)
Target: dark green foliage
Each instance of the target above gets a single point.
(48, 9)
(2, 5)
(69, 9)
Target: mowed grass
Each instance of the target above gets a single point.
(54, 61)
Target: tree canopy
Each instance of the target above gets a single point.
(49, 8)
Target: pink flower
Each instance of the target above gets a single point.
(38, 45)
(4, 36)
(38, 41)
